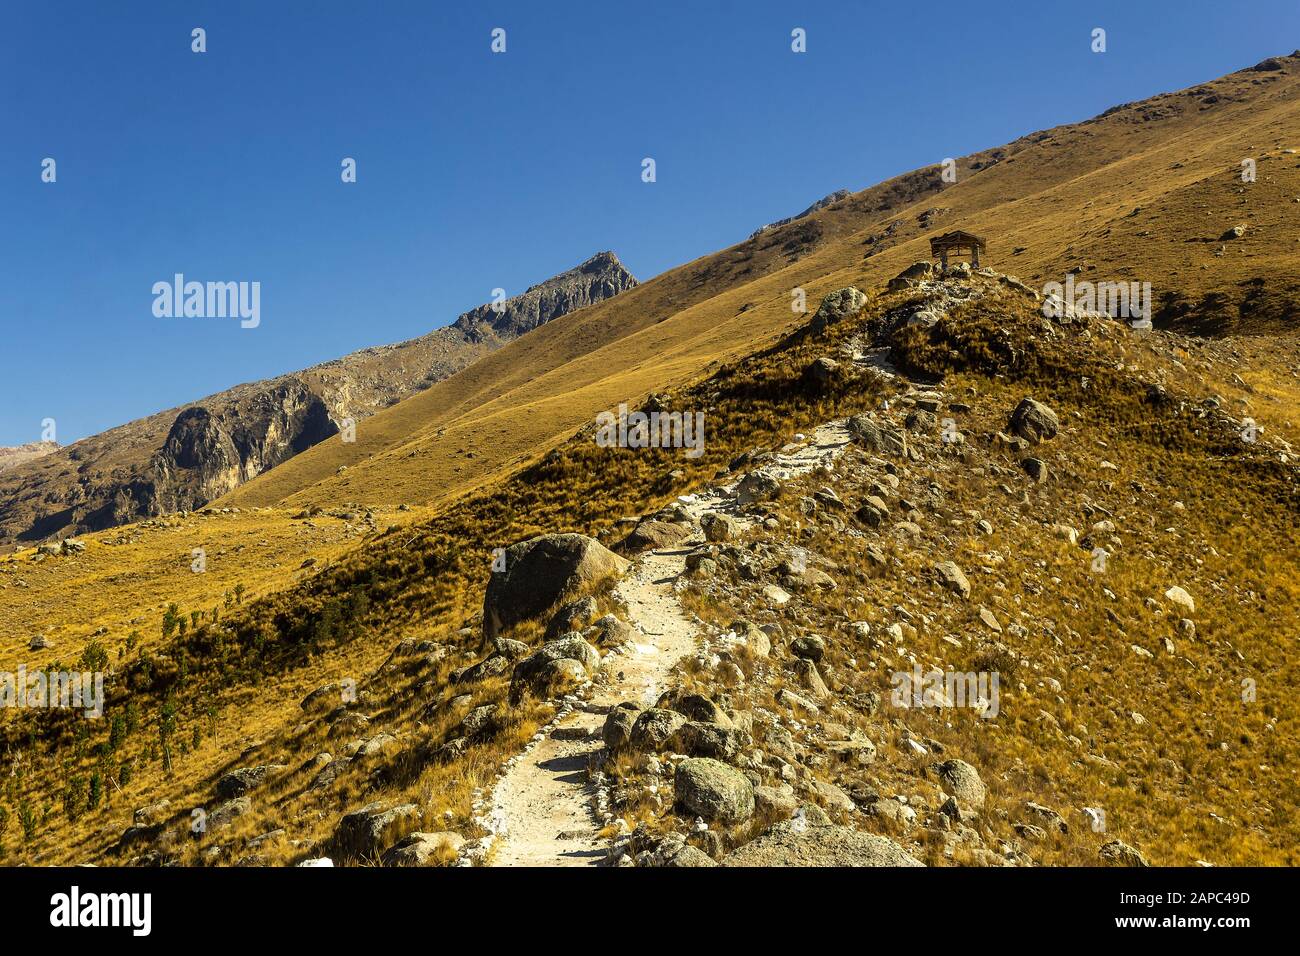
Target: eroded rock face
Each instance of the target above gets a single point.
(599, 278)
(206, 455)
(828, 200)
(540, 574)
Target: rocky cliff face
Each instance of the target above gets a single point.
(184, 458)
(600, 277)
(206, 455)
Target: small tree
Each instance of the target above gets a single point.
(116, 732)
(132, 717)
(27, 818)
(74, 798)
(171, 617)
(166, 727)
(94, 658)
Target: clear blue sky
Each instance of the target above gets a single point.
(478, 170)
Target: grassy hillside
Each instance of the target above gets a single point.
(367, 562)
(1141, 193)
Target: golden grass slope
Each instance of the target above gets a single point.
(1141, 193)
(1066, 196)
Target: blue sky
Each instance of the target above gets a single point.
(476, 170)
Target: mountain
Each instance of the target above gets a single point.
(181, 459)
(478, 634)
(1143, 193)
(15, 455)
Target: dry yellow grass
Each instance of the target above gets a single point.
(1065, 198)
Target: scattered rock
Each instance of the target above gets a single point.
(787, 844)
(1033, 421)
(710, 789)
(1119, 853)
(835, 307)
(236, 783)
(963, 781)
(656, 729)
(951, 577)
(365, 832)
(617, 731)
(1179, 597)
(424, 849)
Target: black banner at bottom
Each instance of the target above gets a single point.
(333, 906)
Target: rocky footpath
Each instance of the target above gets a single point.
(747, 675)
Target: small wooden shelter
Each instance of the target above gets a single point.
(958, 243)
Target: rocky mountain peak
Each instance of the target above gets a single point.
(594, 280)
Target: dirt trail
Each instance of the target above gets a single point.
(541, 810)
(540, 813)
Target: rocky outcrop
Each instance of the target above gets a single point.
(815, 207)
(182, 459)
(789, 845)
(599, 278)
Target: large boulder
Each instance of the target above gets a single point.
(557, 667)
(617, 732)
(1119, 853)
(656, 729)
(1033, 421)
(424, 849)
(573, 616)
(236, 783)
(790, 844)
(875, 436)
(963, 781)
(543, 572)
(224, 814)
(720, 528)
(911, 276)
(700, 738)
(757, 486)
(837, 306)
(654, 536)
(610, 632)
(695, 707)
(365, 832)
(710, 789)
